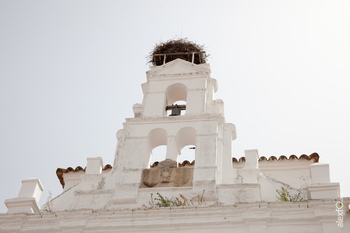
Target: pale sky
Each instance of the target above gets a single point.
(70, 72)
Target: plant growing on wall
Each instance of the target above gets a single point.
(163, 201)
(284, 195)
(200, 198)
(182, 201)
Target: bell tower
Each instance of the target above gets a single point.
(180, 80)
(159, 120)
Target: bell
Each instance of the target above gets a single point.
(176, 111)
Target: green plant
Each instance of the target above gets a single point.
(163, 201)
(283, 195)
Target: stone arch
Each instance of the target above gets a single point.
(186, 137)
(156, 138)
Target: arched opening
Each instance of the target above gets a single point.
(158, 154)
(175, 92)
(176, 97)
(186, 141)
(188, 153)
(157, 140)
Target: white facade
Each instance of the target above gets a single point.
(222, 187)
(303, 217)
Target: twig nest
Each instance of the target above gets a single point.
(174, 49)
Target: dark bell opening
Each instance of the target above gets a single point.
(175, 109)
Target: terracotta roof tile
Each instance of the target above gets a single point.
(314, 156)
(183, 164)
(60, 171)
(186, 163)
(155, 164)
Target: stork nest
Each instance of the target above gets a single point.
(174, 49)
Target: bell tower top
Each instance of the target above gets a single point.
(178, 83)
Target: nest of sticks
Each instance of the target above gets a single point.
(174, 49)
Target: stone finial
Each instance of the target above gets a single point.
(251, 171)
(320, 173)
(321, 187)
(251, 159)
(94, 165)
(28, 197)
(31, 187)
(138, 110)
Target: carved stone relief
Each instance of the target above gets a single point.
(167, 174)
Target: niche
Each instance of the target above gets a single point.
(176, 94)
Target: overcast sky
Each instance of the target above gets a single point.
(70, 72)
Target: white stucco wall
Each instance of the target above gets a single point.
(302, 217)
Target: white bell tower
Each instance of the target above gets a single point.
(200, 122)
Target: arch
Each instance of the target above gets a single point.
(176, 92)
(158, 154)
(186, 139)
(157, 141)
(157, 137)
(188, 153)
